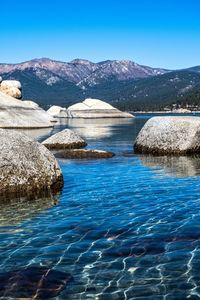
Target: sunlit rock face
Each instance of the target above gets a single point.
(11, 83)
(57, 112)
(66, 139)
(27, 167)
(95, 108)
(15, 113)
(31, 104)
(169, 135)
(11, 91)
(11, 88)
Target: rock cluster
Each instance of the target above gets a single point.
(67, 144)
(169, 135)
(27, 167)
(11, 88)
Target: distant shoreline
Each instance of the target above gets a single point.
(164, 112)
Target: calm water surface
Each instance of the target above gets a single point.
(123, 228)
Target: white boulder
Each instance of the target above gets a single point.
(95, 108)
(11, 88)
(57, 112)
(15, 113)
(27, 167)
(169, 135)
(11, 84)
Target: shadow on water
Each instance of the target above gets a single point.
(179, 166)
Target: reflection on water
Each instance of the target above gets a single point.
(18, 210)
(37, 134)
(180, 166)
(95, 128)
(87, 128)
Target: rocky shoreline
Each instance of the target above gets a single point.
(29, 168)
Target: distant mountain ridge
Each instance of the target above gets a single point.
(84, 72)
(124, 83)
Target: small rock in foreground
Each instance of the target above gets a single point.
(84, 153)
(66, 139)
(169, 135)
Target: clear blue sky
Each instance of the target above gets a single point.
(163, 33)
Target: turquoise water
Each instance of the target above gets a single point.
(123, 228)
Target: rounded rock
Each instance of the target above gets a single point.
(11, 84)
(66, 139)
(169, 135)
(27, 167)
(11, 91)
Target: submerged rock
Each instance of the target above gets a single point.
(27, 167)
(66, 139)
(84, 153)
(33, 283)
(20, 114)
(57, 112)
(95, 108)
(169, 135)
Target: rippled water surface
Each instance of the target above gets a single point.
(124, 228)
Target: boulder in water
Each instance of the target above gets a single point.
(95, 108)
(66, 139)
(169, 135)
(27, 167)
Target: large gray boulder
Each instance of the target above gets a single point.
(27, 167)
(95, 108)
(15, 113)
(66, 139)
(169, 135)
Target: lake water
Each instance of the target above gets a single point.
(123, 228)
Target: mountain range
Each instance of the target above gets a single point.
(123, 83)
